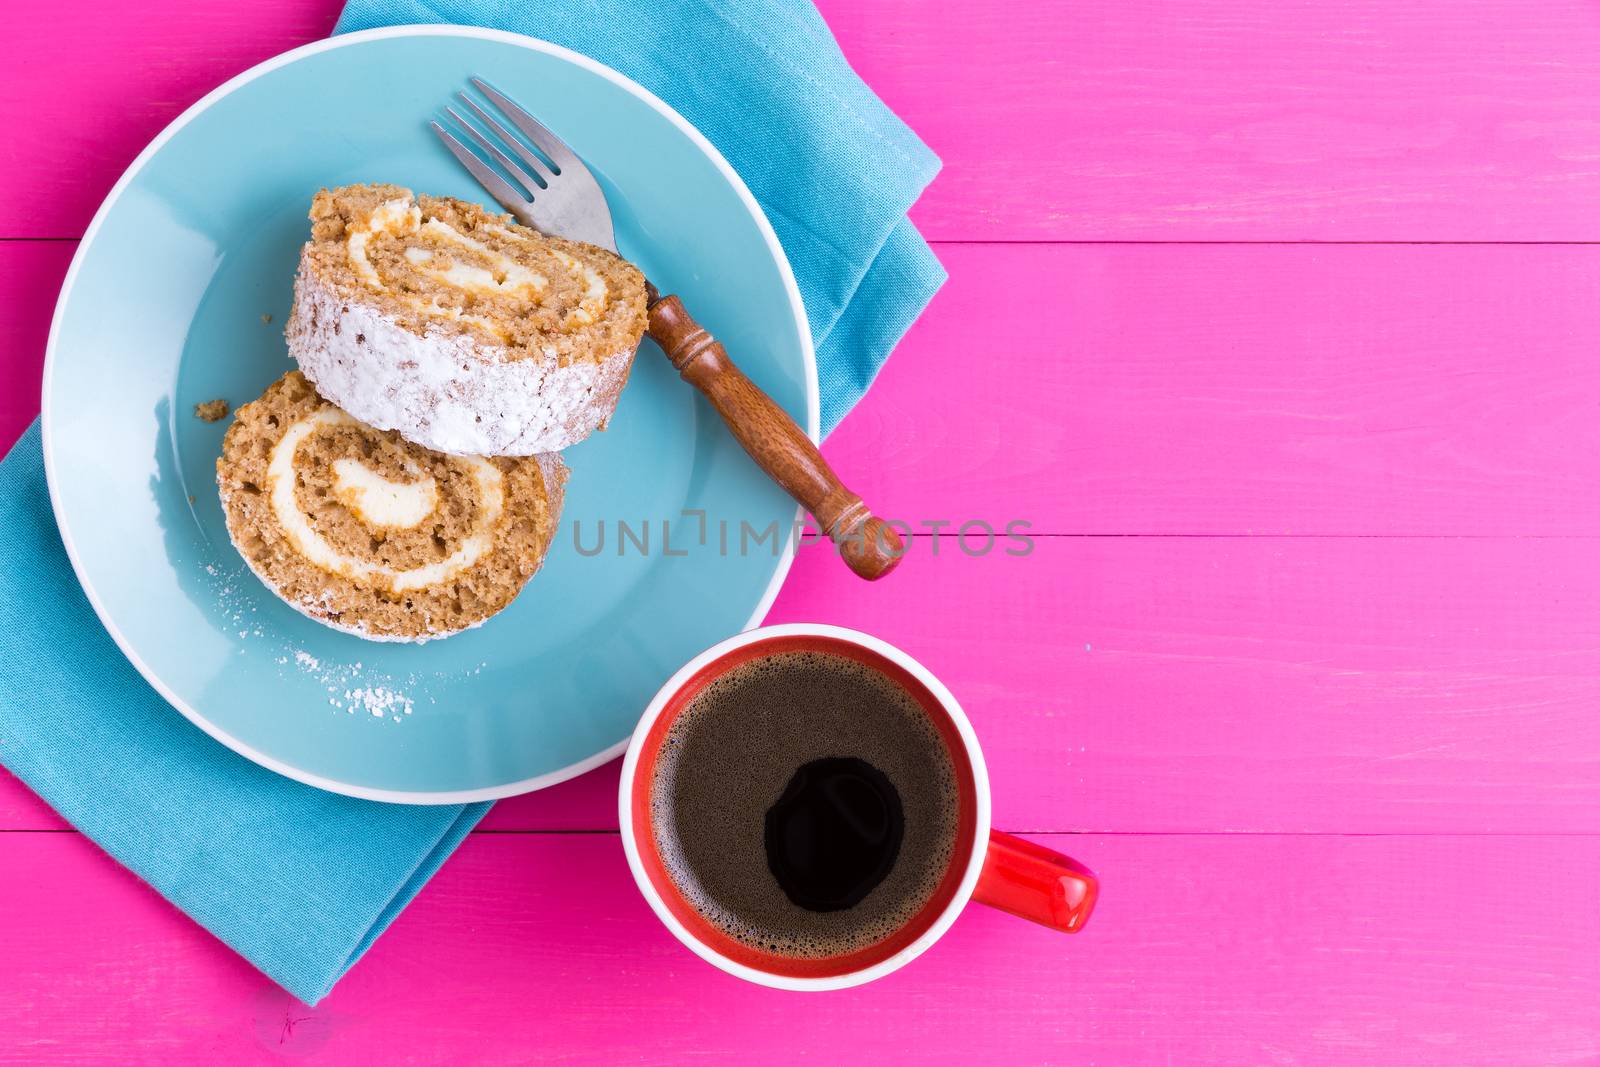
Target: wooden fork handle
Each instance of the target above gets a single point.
(869, 545)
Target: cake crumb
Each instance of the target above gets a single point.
(212, 410)
(266, 320)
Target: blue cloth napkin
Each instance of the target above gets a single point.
(833, 168)
(299, 881)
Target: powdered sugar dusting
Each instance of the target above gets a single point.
(366, 693)
(449, 392)
(376, 701)
(357, 690)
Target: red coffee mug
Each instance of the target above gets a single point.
(991, 867)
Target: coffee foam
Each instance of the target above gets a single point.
(727, 758)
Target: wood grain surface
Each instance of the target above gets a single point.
(1251, 949)
(1278, 323)
(1150, 120)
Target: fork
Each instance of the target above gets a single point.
(559, 195)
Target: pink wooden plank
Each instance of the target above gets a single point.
(1212, 119)
(88, 87)
(1244, 119)
(1199, 389)
(1205, 950)
(30, 275)
(1245, 389)
(1254, 684)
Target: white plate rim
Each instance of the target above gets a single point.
(53, 475)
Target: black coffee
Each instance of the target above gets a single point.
(834, 834)
(805, 805)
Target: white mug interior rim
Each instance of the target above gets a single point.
(947, 703)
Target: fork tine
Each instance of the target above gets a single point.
(564, 198)
(535, 165)
(543, 139)
(498, 187)
(528, 181)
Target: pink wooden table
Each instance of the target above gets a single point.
(1301, 389)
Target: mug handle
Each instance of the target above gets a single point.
(1032, 882)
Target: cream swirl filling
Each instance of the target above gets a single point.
(496, 275)
(377, 502)
(505, 276)
(400, 215)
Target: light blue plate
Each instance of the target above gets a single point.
(163, 308)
